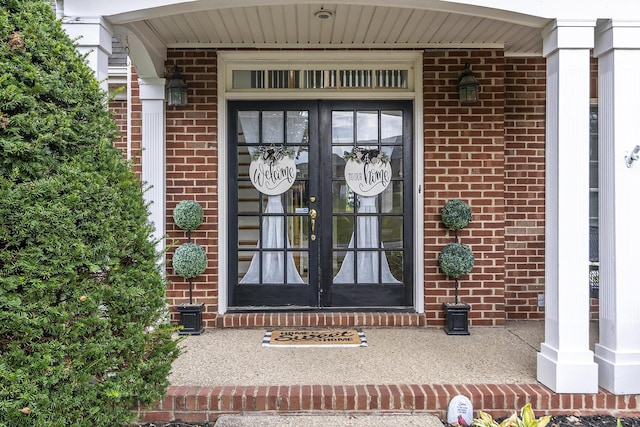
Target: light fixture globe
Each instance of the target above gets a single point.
(323, 14)
(176, 90)
(468, 86)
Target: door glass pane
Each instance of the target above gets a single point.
(248, 198)
(392, 231)
(395, 260)
(342, 127)
(301, 262)
(298, 198)
(342, 231)
(248, 127)
(391, 126)
(338, 260)
(391, 199)
(395, 156)
(338, 161)
(244, 160)
(342, 197)
(297, 127)
(248, 232)
(298, 229)
(367, 129)
(273, 127)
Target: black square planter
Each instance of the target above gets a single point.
(456, 318)
(190, 319)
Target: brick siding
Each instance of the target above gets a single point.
(491, 155)
(464, 159)
(524, 115)
(192, 168)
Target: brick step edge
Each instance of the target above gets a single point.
(206, 404)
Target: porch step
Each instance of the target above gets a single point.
(208, 404)
(383, 420)
(319, 319)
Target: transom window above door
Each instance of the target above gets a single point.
(392, 73)
(320, 79)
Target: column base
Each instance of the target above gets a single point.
(619, 371)
(567, 372)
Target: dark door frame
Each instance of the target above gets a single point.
(319, 294)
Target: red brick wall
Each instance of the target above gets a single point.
(491, 155)
(464, 159)
(119, 114)
(524, 111)
(192, 167)
(118, 111)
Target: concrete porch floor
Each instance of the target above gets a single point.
(403, 370)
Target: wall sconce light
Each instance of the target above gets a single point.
(468, 86)
(176, 90)
(635, 155)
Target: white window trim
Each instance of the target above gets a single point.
(410, 60)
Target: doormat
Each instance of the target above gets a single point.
(314, 338)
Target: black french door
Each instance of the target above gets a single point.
(318, 243)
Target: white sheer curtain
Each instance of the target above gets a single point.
(370, 263)
(273, 237)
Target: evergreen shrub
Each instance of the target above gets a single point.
(83, 332)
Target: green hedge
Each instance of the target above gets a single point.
(83, 334)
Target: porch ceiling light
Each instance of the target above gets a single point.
(176, 90)
(468, 86)
(323, 14)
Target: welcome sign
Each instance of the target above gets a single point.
(367, 173)
(272, 173)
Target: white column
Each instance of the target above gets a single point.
(93, 37)
(565, 363)
(153, 152)
(618, 351)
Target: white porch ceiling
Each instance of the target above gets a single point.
(352, 25)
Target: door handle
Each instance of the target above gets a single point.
(313, 214)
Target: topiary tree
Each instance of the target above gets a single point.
(456, 259)
(83, 336)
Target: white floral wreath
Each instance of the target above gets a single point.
(272, 153)
(366, 156)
